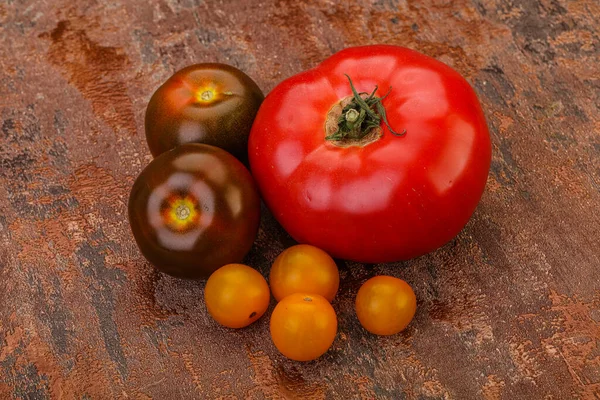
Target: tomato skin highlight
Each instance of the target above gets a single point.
(194, 209)
(303, 326)
(385, 305)
(304, 269)
(207, 103)
(236, 295)
(393, 199)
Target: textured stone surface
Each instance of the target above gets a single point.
(509, 310)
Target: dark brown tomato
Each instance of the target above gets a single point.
(194, 209)
(204, 103)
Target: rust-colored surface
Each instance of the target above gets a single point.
(509, 310)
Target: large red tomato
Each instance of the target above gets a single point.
(337, 175)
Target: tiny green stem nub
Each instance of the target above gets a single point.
(352, 115)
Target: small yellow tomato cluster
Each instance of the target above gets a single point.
(304, 280)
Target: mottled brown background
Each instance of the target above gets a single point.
(508, 310)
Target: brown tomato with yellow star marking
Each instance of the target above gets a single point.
(194, 209)
(204, 103)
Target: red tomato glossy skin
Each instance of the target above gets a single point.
(393, 199)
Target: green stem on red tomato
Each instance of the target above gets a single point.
(361, 115)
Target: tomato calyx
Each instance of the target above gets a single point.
(358, 122)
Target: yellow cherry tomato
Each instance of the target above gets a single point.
(236, 295)
(385, 305)
(303, 326)
(304, 268)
